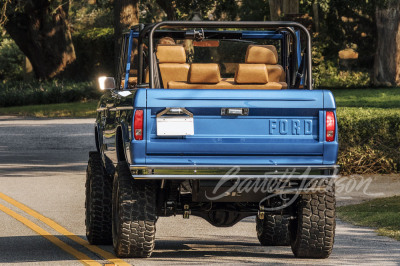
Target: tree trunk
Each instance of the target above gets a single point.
(315, 8)
(126, 15)
(42, 34)
(168, 7)
(275, 9)
(290, 7)
(387, 56)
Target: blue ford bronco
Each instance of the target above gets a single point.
(217, 120)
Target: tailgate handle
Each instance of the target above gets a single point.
(174, 111)
(234, 111)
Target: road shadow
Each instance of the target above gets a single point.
(353, 245)
(35, 248)
(240, 251)
(45, 146)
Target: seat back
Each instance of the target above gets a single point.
(204, 73)
(251, 74)
(268, 55)
(172, 63)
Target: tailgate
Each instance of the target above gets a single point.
(286, 122)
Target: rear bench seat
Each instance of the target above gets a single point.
(254, 74)
(172, 63)
(268, 55)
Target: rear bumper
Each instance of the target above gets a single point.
(217, 172)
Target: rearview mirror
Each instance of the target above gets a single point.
(208, 43)
(106, 83)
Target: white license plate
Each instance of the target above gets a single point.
(175, 126)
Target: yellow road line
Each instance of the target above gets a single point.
(95, 249)
(77, 254)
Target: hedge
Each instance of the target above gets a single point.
(26, 93)
(369, 140)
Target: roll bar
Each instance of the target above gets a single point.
(231, 24)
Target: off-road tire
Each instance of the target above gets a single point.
(98, 202)
(273, 230)
(134, 214)
(312, 233)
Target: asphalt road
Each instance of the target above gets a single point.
(42, 166)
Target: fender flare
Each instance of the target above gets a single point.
(122, 143)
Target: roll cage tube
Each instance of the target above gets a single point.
(144, 30)
(124, 60)
(128, 64)
(142, 33)
(231, 24)
(294, 64)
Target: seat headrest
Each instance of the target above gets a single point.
(204, 73)
(251, 74)
(262, 54)
(171, 53)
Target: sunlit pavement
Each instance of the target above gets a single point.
(42, 165)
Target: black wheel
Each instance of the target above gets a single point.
(98, 202)
(273, 230)
(312, 233)
(134, 214)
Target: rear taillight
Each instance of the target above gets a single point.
(330, 126)
(138, 125)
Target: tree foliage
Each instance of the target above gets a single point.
(11, 61)
(157, 10)
(342, 24)
(347, 24)
(257, 10)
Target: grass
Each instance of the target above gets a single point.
(382, 214)
(75, 109)
(374, 97)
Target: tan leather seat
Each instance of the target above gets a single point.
(251, 74)
(256, 76)
(204, 73)
(268, 55)
(260, 72)
(227, 85)
(172, 63)
(132, 82)
(248, 76)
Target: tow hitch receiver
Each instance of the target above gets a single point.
(261, 213)
(186, 212)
